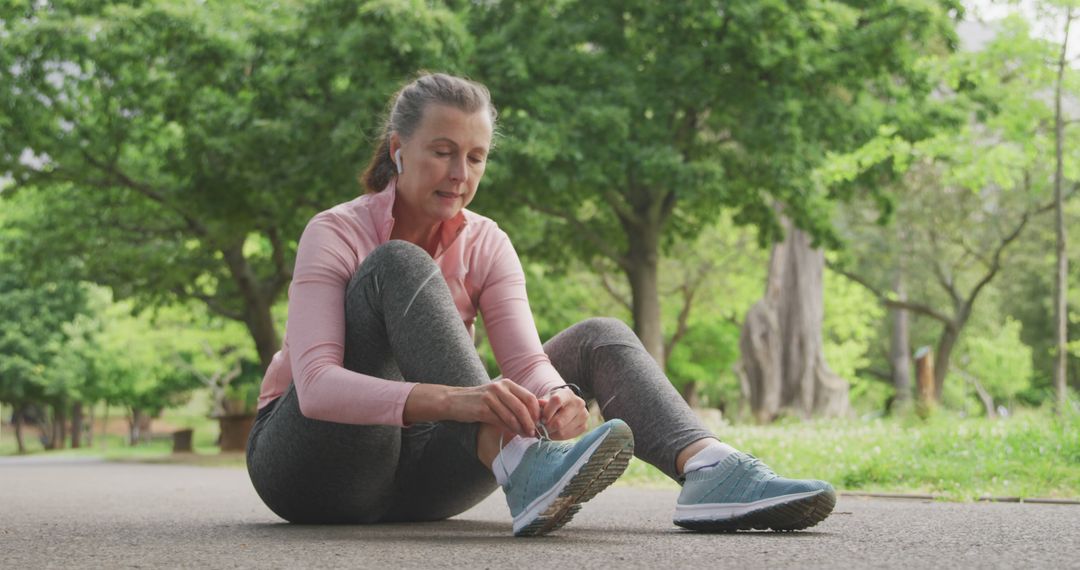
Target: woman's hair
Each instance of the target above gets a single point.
(407, 110)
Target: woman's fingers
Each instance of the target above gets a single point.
(565, 416)
(515, 407)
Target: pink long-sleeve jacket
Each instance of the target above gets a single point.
(478, 263)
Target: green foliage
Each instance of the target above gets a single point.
(705, 356)
(180, 133)
(36, 326)
(615, 111)
(849, 331)
(173, 150)
(1000, 362)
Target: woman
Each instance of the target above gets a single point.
(378, 408)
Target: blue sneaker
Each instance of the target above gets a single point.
(742, 493)
(553, 479)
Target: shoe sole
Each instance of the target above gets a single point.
(793, 513)
(601, 468)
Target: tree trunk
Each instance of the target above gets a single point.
(90, 421)
(985, 398)
(782, 361)
(140, 426)
(950, 333)
(690, 394)
(1061, 284)
(18, 429)
(900, 346)
(105, 427)
(57, 429)
(642, 271)
(76, 425)
(260, 323)
(759, 362)
(257, 304)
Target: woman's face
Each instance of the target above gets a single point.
(442, 163)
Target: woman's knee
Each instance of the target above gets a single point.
(395, 258)
(608, 330)
(398, 255)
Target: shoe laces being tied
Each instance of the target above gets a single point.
(541, 430)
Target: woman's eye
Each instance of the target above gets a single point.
(476, 159)
(442, 153)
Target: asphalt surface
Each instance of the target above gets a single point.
(86, 513)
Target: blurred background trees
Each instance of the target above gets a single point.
(159, 160)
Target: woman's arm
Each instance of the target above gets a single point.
(508, 319)
(327, 391)
(325, 262)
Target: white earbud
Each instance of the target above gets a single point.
(397, 160)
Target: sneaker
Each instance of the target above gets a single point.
(742, 493)
(553, 479)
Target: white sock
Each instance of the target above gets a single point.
(714, 452)
(510, 457)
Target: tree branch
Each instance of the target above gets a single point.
(600, 244)
(618, 297)
(943, 277)
(144, 189)
(689, 290)
(282, 273)
(618, 204)
(212, 303)
(681, 326)
(886, 301)
(996, 259)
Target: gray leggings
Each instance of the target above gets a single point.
(401, 322)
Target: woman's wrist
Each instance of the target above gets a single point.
(427, 403)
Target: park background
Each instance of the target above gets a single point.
(787, 200)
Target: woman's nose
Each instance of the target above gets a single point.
(459, 171)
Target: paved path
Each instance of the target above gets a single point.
(84, 513)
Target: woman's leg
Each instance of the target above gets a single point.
(606, 359)
(730, 490)
(401, 322)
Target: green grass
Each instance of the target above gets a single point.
(1032, 454)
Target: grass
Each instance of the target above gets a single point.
(1032, 454)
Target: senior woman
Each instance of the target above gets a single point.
(378, 407)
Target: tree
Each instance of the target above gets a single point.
(782, 360)
(33, 338)
(631, 124)
(1064, 78)
(192, 141)
(972, 192)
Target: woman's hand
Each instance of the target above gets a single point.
(564, 414)
(503, 404)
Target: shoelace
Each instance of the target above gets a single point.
(541, 429)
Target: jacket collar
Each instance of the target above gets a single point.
(383, 210)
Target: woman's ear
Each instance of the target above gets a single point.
(395, 152)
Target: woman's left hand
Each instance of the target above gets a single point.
(564, 414)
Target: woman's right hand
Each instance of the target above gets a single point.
(502, 403)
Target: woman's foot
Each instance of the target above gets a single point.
(553, 479)
(742, 493)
